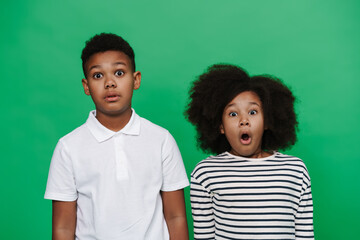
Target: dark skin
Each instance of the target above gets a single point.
(64, 220)
(64, 217)
(175, 214)
(111, 71)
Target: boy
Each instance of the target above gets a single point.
(118, 176)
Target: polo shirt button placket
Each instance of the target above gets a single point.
(120, 158)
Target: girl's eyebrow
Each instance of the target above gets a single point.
(254, 103)
(230, 104)
(250, 103)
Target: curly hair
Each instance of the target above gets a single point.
(106, 42)
(214, 89)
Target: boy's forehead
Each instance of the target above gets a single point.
(108, 57)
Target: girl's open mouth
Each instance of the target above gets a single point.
(245, 139)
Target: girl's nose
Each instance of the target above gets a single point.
(244, 122)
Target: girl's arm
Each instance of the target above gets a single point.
(64, 220)
(304, 228)
(202, 212)
(175, 214)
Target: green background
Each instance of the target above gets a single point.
(312, 45)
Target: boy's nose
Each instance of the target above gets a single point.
(110, 83)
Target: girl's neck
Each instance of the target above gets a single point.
(261, 154)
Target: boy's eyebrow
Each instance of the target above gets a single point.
(119, 63)
(95, 66)
(99, 66)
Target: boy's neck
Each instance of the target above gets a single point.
(114, 122)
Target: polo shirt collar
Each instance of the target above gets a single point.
(102, 133)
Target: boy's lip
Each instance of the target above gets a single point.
(112, 96)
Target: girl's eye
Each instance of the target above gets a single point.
(97, 75)
(233, 114)
(253, 112)
(119, 73)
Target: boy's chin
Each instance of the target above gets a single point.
(113, 112)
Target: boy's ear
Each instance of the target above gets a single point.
(86, 86)
(222, 129)
(137, 79)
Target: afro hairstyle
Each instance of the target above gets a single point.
(214, 89)
(106, 42)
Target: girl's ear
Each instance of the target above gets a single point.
(222, 129)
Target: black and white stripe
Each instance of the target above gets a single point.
(243, 198)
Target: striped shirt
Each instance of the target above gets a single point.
(234, 197)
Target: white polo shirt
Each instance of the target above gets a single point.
(116, 178)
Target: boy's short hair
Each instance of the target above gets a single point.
(106, 42)
(215, 88)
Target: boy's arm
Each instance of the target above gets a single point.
(175, 214)
(64, 220)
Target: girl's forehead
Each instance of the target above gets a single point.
(246, 97)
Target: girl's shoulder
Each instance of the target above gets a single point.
(212, 162)
(288, 158)
(291, 162)
(217, 162)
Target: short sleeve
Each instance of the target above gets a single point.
(61, 182)
(174, 174)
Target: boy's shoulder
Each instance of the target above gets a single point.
(75, 135)
(150, 127)
(150, 131)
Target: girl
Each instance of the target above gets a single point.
(248, 190)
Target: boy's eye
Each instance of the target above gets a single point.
(97, 75)
(119, 73)
(253, 112)
(233, 114)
